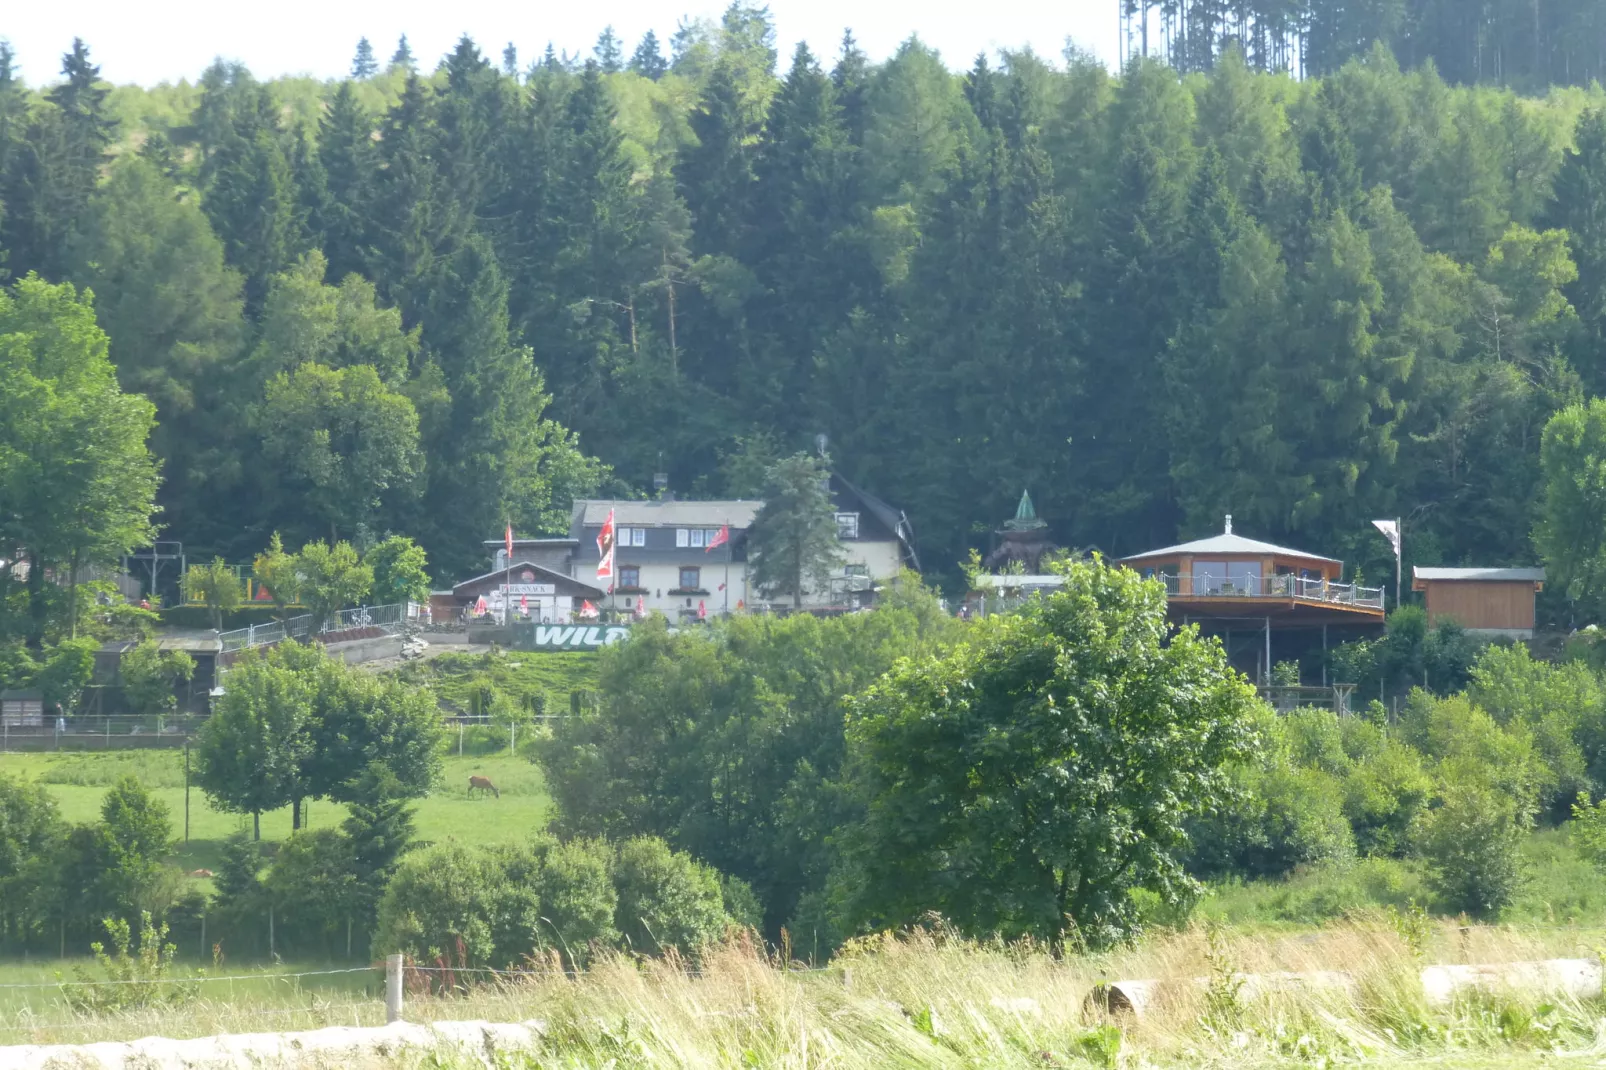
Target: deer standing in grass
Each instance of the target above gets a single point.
(484, 784)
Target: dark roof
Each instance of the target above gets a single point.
(893, 519)
(539, 540)
(561, 583)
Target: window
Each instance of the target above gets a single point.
(632, 536)
(1208, 576)
(629, 576)
(847, 525)
(856, 570)
(682, 537)
(691, 579)
(698, 536)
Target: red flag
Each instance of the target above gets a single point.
(721, 537)
(641, 609)
(702, 609)
(605, 549)
(509, 540)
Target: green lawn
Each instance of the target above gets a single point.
(78, 782)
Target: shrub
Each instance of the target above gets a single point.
(1471, 845)
(312, 886)
(578, 899)
(666, 898)
(439, 905)
(1383, 794)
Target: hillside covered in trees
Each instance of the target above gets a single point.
(424, 300)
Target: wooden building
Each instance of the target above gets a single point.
(1487, 601)
(1251, 593)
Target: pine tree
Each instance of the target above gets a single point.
(349, 162)
(415, 224)
(608, 53)
(1579, 207)
(498, 455)
(403, 56)
(364, 65)
(56, 168)
(648, 59)
(252, 199)
(510, 61)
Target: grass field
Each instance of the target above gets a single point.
(78, 783)
(926, 999)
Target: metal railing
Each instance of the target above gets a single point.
(386, 619)
(1207, 585)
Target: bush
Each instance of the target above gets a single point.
(666, 899)
(312, 887)
(1383, 795)
(578, 898)
(1472, 847)
(438, 905)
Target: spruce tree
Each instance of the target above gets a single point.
(648, 59)
(510, 61)
(403, 56)
(1579, 206)
(364, 65)
(56, 168)
(608, 53)
(349, 162)
(253, 201)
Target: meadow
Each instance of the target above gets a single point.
(78, 782)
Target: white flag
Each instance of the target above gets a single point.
(1391, 532)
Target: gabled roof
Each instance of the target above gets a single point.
(593, 512)
(547, 575)
(893, 518)
(1228, 543)
(1487, 575)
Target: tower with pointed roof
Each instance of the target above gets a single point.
(1023, 540)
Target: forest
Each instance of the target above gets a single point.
(427, 300)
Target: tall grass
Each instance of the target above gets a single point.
(928, 999)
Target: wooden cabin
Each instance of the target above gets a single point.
(1249, 592)
(1487, 601)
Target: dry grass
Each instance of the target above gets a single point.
(928, 1000)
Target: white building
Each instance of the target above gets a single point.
(664, 556)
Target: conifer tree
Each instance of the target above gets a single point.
(57, 168)
(510, 61)
(609, 56)
(648, 59)
(253, 201)
(349, 162)
(364, 65)
(403, 56)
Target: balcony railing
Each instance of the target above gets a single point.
(1305, 590)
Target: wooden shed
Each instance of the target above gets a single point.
(19, 709)
(1489, 601)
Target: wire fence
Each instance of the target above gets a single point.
(95, 1007)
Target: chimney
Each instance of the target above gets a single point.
(660, 483)
(1229, 524)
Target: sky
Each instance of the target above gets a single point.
(147, 43)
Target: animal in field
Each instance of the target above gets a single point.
(483, 784)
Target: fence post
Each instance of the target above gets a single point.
(393, 988)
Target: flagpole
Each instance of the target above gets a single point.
(507, 588)
(727, 566)
(1399, 553)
